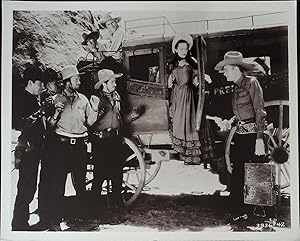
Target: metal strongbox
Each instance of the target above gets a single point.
(259, 188)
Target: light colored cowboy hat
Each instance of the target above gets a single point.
(92, 35)
(233, 58)
(182, 36)
(105, 18)
(105, 75)
(69, 71)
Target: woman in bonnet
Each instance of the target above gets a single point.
(183, 81)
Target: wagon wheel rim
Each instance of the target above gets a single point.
(133, 176)
(152, 170)
(277, 138)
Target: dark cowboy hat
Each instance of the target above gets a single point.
(105, 18)
(50, 75)
(234, 58)
(32, 73)
(92, 35)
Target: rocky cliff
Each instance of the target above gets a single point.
(50, 38)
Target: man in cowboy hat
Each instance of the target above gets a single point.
(91, 43)
(249, 115)
(117, 38)
(66, 148)
(106, 136)
(29, 148)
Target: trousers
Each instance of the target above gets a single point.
(108, 165)
(26, 187)
(244, 149)
(61, 158)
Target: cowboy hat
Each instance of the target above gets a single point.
(105, 75)
(233, 58)
(92, 35)
(50, 75)
(33, 73)
(182, 36)
(105, 18)
(69, 71)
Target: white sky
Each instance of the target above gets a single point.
(177, 11)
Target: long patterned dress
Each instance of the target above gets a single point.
(184, 136)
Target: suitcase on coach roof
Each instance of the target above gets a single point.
(260, 181)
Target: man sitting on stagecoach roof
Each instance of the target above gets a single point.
(90, 44)
(106, 136)
(249, 115)
(113, 50)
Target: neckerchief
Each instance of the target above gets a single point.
(114, 99)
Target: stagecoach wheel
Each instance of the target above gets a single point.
(134, 173)
(277, 143)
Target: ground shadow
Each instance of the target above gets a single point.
(167, 213)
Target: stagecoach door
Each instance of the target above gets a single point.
(146, 70)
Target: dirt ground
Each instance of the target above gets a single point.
(180, 198)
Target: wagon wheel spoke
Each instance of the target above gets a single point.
(284, 174)
(130, 157)
(271, 148)
(137, 176)
(287, 139)
(273, 141)
(286, 169)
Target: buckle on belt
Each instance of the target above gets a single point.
(72, 141)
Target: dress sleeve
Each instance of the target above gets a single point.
(256, 94)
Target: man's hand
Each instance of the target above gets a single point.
(94, 100)
(260, 147)
(224, 125)
(59, 106)
(48, 101)
(135, 113)
(196, 81)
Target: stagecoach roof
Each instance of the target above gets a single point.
(163, 40)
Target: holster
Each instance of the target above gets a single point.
(20, 149)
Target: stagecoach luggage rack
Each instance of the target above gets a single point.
(260, 184)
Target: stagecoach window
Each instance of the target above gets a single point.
(144, 67)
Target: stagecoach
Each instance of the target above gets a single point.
(147, 64)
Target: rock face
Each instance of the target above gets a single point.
(50, 39)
